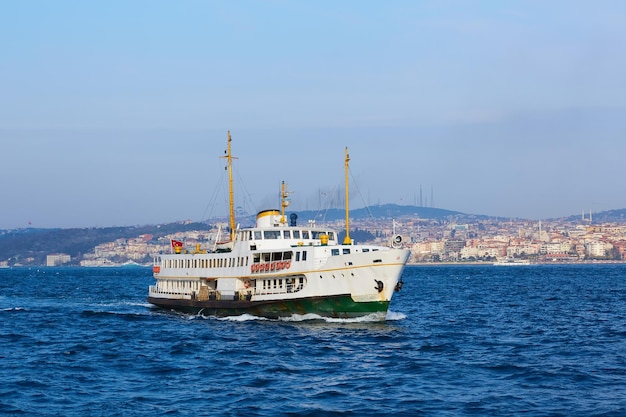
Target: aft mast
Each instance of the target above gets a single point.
(347, 240)
(229, 157)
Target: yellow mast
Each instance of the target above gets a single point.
(229, 158)
(284, 202)
(347, 240)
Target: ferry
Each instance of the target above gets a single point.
(512, 262)
(280, 269)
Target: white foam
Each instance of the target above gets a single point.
(369, 318)
(243, 317)
(394, 316)
(374, 317)
(302, 317)
(13, 309)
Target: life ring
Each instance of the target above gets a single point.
(246, 283)
(287, 264)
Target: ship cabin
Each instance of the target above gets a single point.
(271, 231)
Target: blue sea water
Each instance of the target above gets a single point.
(459, 340)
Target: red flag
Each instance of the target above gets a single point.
(177, 244)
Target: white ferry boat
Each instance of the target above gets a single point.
(512, 262)
(279, 269)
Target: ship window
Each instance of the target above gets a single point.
(266, 257)
(315, 234)
(297, 256)
(256, 258)
(335, 252)
(286, 234)
(305, 234)
(277, 256)
(287, 256)
(346, 251)
(296, 234)
(366, 249)
(331, 235)
(271, 234)
(304, 255)
(257, 235)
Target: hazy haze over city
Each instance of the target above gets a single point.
(116, 113)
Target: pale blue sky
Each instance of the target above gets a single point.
(115, 112)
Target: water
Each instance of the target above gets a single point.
(473, 340)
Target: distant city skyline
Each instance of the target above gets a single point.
(116, 113)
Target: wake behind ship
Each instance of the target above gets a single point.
(279, 269)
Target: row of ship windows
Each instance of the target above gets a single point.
(234, 262)
(346, 251)
(207, 263)
(284, 234)
(290, 284)
(244, 260)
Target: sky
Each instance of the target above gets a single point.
(116, 113)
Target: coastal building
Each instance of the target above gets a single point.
(596, 248)
(56, 259)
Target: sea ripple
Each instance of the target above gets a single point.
(458, 340)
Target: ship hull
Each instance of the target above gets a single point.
(336, 306)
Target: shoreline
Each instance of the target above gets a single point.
(594, 262)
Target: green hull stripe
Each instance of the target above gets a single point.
(339, 306)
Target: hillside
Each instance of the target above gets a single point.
(17, 246)
(386, 211)
(609, 216)
(379, 212)
(37, 243)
